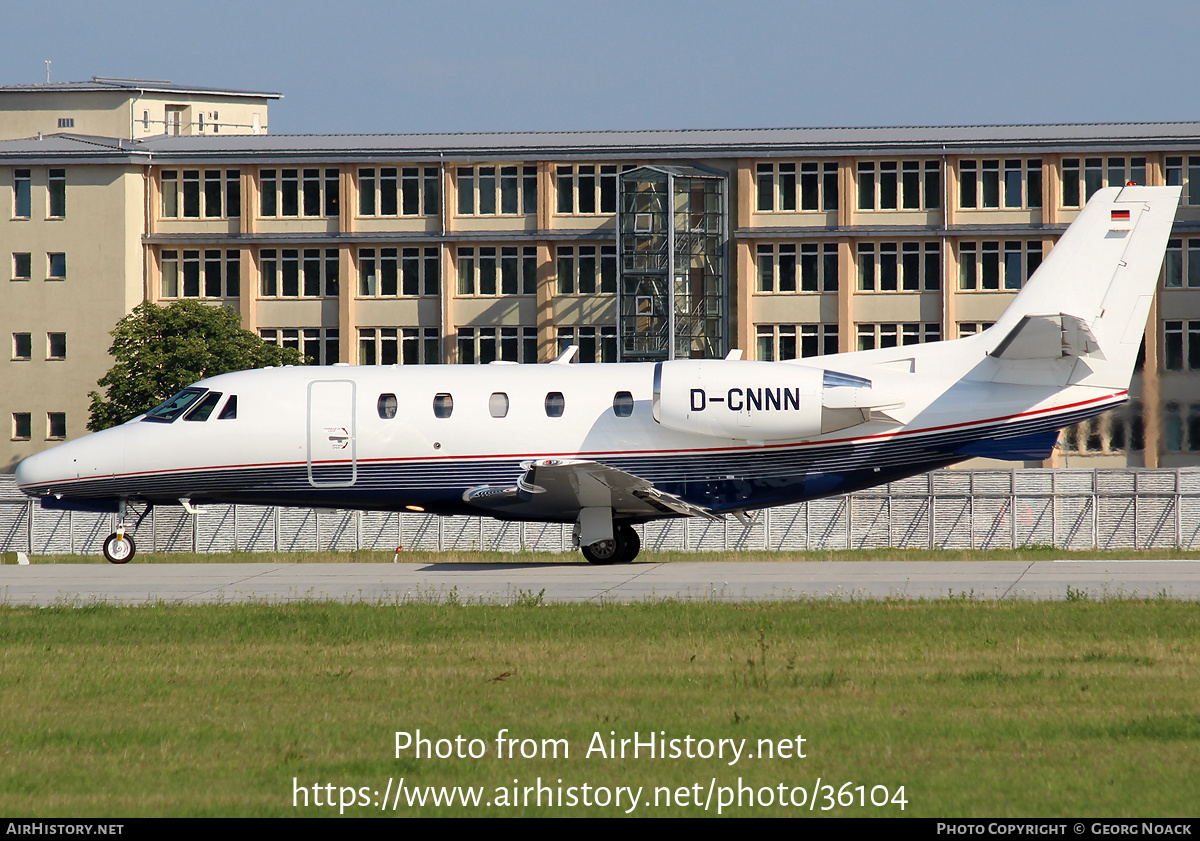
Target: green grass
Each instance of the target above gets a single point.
(993, 709)
(1028, 553)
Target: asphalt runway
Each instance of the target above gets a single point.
(730, 581)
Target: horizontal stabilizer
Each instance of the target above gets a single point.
(1048, 337)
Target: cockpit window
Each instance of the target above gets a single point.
(230, 410)
(176, 406)
(204, 409)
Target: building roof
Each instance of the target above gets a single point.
(696, 142)
(690, 144)
(103, 83)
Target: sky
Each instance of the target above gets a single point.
(371, 66)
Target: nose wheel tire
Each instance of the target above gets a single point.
(119, 548)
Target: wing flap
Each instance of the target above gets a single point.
(557, 489)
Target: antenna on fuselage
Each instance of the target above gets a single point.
(566, 356)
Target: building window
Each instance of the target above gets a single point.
(22, 426)
(292, 273)
(1181, 345)
(22, 193)
(1122, 430)
(1181, 427)
(56, 345)
(872, 336)
(294, 192)
(56, 426)
(802, 267)
(795, 341)
(57, 193)
(508, 270)
(587, 188)
(1182, 264)
(586, 269)
(994, 265)
(596, 344)
(1014, 183)
(22, 265)
(279, 273)
(970, 328)
(319, 345)
(212, 273)
(802, 185)
(66, 122)
(399, 345)
(1177, 176)
(57, 266)
(900, 266)
(209, 193)
(387, 272)
(404, 191)
(22, 346)
(491, 190)
(899, 185)
(481, 345)
(1082, 177)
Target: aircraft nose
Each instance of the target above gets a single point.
(38, 471)
(95, 456)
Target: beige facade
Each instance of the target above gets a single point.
(129, 108)
(464, 248)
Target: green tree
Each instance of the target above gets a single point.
(161, 349)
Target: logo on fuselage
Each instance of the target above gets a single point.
(749, 399)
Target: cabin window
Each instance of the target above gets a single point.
(176, 406)
(443, 405)
(555, 404)
(623, 404)
(204, 408)
(230, 410)
(498, 404)
(387, 406)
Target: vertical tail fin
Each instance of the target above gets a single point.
(1088, 302)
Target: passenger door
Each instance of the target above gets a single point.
(332, 448)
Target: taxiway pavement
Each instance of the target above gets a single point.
(73, 584)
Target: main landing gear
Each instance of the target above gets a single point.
(622, 548)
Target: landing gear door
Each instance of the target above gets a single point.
(332, 449)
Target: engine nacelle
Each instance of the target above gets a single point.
(760, 401)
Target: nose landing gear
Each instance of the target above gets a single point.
(119, 547)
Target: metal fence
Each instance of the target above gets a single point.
(948, 509)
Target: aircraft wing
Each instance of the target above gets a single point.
(557, 489)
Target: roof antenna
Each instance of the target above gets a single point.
(47, 72)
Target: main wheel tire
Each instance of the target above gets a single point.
(622, 549)
(119, 549)
(605, 551)
(633, 543)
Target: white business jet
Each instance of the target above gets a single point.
(607, 446)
